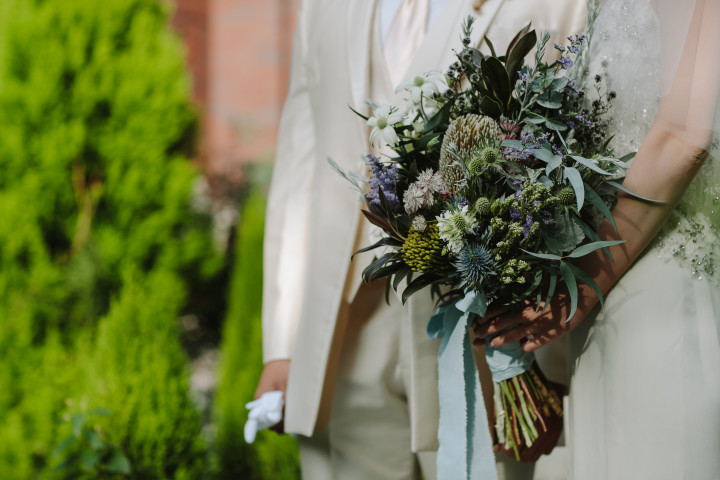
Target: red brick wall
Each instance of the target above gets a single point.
(238, 53)
(191, 21)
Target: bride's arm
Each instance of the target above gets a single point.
(667, 161)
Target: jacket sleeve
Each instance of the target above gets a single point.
(287, 219)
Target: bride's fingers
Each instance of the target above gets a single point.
(513, 335)
(496, 324)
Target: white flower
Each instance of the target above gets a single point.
(421, 192)
(419, 223)
(454, 224)
(383, 119)
(432, 181)
(456, 246)
(413, 198)
(420, 86)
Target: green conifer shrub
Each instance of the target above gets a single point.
(271, 456)
(96, 128)
(140, 373)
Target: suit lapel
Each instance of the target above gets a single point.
(358, 37)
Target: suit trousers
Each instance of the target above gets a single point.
(367, 435)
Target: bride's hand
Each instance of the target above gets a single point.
(535, 327)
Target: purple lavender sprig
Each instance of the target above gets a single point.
(383, 177)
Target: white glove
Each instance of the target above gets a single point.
(265, 412)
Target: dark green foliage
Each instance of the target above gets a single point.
(271, 456)
(95, 191)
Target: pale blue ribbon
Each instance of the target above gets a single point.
(461, 456)
(507, 361)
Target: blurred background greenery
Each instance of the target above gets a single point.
(111, 281)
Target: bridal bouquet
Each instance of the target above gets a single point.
(499, 177)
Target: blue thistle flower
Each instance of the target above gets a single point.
(474, 263)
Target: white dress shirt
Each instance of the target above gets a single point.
(388, 8)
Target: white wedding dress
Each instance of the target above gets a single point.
(645, 392)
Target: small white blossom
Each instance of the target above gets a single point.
(413, 198)
(383, 119)
(419, 223)
(422, 85)
(454, 224)
(456, 246)
(432, 181)
(421, 192)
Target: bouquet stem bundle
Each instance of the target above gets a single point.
(525, 406)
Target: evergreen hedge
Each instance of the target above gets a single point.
(271, 456)
(98, 243)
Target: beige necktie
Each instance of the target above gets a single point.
(406, 32)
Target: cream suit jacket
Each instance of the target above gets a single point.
(313, 214)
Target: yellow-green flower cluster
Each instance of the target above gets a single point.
(514, 272)
(422, 251)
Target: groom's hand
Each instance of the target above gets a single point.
(274, 377)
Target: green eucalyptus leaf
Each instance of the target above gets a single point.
(569, 279)
(543, 154)
(544, 256)
(565, 234)
(591, 247)
(587, 280)
(589, 164)
(551, 289)
(553, 164)
(555, 125)
(535, 120)
(590, 233)
(537, 280)
(511, 143)
(628, 157)
(572, 175)
(558, 85)
(620, 186)
(598, 203)
(606, 144)
(550, 99)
